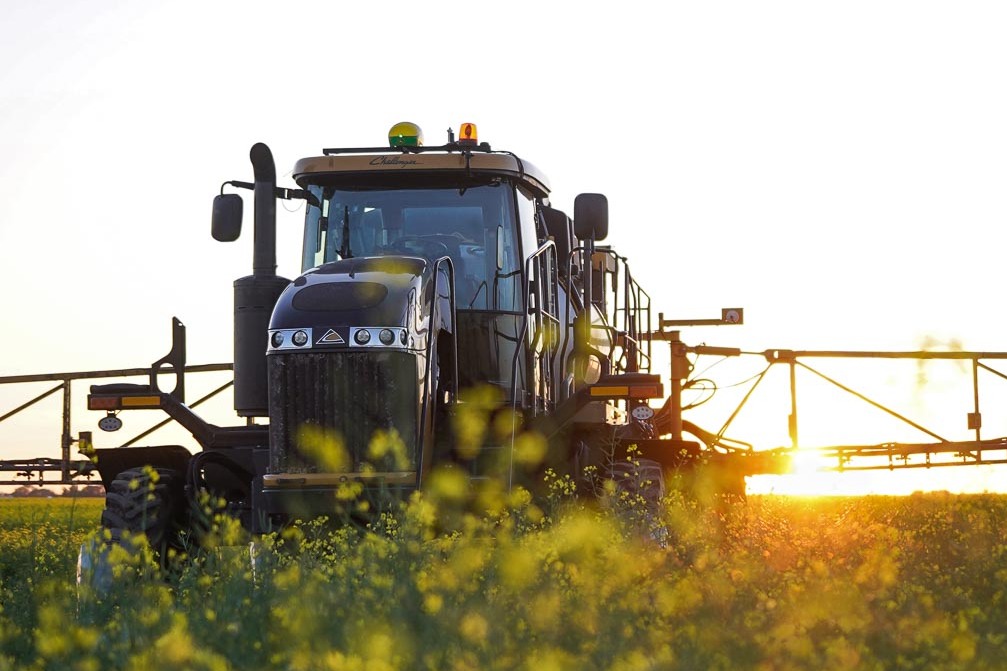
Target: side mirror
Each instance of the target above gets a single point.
(226, 223)
(590, 216)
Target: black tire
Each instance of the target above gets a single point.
(640, 492)
(135, 503)
(642, 479)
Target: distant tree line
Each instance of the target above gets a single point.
(34, 491)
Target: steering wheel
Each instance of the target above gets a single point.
(422, 245)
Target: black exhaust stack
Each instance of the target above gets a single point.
(255, 295)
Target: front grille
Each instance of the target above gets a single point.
(350, 394)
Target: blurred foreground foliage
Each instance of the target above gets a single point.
(772, 583)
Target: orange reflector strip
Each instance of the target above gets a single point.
(105, 403)
(649, 391)
(141, 401)
(610, 391)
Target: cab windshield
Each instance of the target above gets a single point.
(473, 225)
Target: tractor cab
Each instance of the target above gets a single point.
(425, 271)
(463, 202)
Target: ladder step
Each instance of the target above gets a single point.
(628, 385)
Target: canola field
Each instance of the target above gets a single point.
(770, 583)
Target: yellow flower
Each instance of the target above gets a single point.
(530, 449)
(448, 484)
(323, 446)
(474, 627)
(432, 603)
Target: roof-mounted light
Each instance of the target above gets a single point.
(468, 134)
(405, 134)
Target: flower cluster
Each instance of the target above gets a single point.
(473, 576)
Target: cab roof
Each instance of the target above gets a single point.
(421, 159)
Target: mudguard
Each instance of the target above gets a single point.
(115, 460)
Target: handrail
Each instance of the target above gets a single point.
(631, 313)
(638, 293)
(636, 311)
(547, 247)
(431, 336)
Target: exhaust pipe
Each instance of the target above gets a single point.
(255, 295)
(264, 251)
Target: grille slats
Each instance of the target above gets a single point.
(352, 394)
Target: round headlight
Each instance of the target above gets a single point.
(386, 337)
(363, 336)
(277, 339)
(300, 338)
(402, 337)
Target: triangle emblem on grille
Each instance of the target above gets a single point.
(331, 338)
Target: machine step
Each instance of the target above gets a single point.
(627, 385)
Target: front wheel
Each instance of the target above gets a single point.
(146, 502)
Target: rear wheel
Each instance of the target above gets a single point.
(639, 496)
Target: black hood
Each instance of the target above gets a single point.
(382, 291)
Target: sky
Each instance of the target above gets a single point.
(837, 169)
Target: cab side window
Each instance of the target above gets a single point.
(527, 222)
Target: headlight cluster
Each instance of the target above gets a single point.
(360, 336)
(378, 337)
(290, 339)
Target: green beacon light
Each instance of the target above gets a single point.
(405, 134)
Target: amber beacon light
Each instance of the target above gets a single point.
(468, 134)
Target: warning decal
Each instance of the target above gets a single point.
(331, 338)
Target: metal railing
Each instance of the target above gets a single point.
(628, 311)
(883, 455)
(74, 471)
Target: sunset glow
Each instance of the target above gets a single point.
(845, 198)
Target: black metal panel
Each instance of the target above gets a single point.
(254, 298)
(351, 394)
(354, 292)
(113, 461)
(486, 343)
(339, 296)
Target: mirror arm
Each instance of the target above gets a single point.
(240, 185)
(299, 194)
(279, 192)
